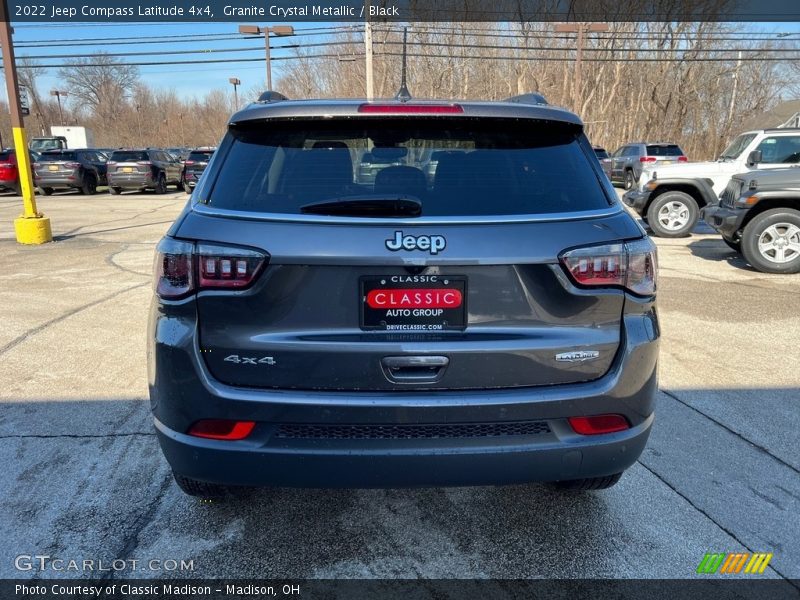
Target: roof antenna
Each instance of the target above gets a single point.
(403, 95)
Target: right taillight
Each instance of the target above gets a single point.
(630, 265)
(183, 267)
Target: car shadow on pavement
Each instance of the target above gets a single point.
(716, 250)
(86, 479)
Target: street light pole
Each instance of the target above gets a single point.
(235, 82)
(58, 94)
(32, 227)
(278, 30)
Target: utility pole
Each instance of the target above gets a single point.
(278, 30)
(735, 89)
(32, 227)
(368, 52)
(581, 29)
(139, 124)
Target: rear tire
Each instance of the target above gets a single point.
(201, 489)
(114, 190)
(17, 189)
(161, 184)
(180, 186)
(771, 241)
(673, 214)
(589, 483)
(627, 180)
(89, 185)
(47, 191)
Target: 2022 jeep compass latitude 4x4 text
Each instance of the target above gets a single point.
(493, 323)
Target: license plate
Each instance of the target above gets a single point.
(53, 168)
(666, 162)
(127, 169)
(413, 303)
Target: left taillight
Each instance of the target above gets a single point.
(184, 267)
(630, 265)
(227, 267)
(174, 271)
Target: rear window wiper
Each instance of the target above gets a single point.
(372, 205)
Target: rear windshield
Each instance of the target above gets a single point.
(601, 153)
(57, 156)
(483, 166)
(664, 150)
(6, 155)
(128, 156)
(201, 156)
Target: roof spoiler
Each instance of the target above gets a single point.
(270, 96)
(532, 98)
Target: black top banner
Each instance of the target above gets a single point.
(277, 11)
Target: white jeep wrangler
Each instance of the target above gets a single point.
(669, 197)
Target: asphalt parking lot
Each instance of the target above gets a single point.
(84, 478)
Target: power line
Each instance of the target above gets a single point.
(618, 59)
(259, 48)
(181, 39)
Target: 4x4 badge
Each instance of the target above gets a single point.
(577, 356)
(432, 243)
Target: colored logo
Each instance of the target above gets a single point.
(734, 562)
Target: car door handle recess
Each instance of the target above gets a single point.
(414, 369)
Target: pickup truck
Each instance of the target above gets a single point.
(669, 197)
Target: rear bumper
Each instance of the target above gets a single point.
(60, 181)
(403, 463)
(637, 200)
(8, 183)
(131, 181)
(727, 221)
(182, 391)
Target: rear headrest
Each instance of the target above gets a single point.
(401, 180)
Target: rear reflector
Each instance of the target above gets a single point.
(598, 424)
(222, 429)
(631, 265)
(416, 109)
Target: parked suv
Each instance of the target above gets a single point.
(194, 165)
(83, 170)
(758, 215)
(669, 197)
(9, 170)
(626, 164)
(143, 169)
(495, 326)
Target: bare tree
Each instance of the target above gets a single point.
(100, 85)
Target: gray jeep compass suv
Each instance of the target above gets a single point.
(492, 324)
